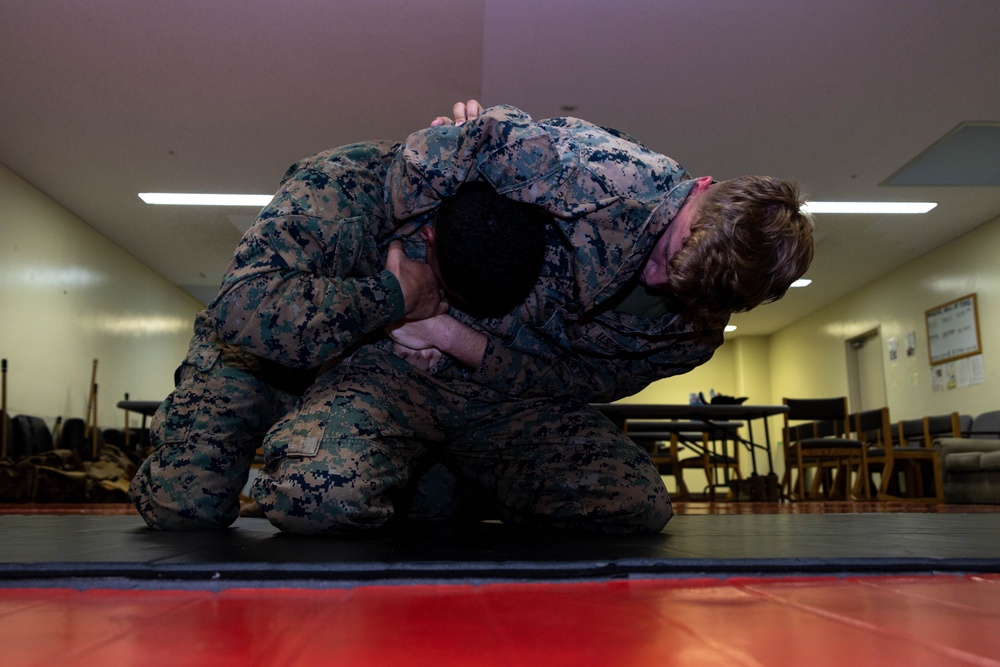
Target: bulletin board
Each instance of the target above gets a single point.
(953, 330)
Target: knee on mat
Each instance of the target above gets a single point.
(640, 515)
(165, 505)
(659, 512)
(297, 505)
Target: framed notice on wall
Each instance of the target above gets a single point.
(953, 330)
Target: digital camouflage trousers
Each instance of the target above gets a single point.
(373, 438)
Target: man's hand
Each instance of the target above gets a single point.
(422, 359)
(444, 333)
(463, 111)
(422, 296)
(419, 334)
(417, 341)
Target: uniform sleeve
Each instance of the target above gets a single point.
(532, 366)
(600, 189)
(306, 281)
(503, 146)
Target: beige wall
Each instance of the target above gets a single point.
(739, 368)
(68, 296)
(809, 359)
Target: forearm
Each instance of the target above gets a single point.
(594, 362)
(550, 372)
(462, 343)
(302, 320)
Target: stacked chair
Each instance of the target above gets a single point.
(70, 463)
(875, 430)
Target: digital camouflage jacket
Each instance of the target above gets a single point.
(307, 281)
(587, 329)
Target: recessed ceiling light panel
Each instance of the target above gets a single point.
(189, 199)
(965, 156)
(878, 207)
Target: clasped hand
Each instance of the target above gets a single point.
(423, 298)
(417, 341)
(462, 112)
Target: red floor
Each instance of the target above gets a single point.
(859, 621)
(932, 620)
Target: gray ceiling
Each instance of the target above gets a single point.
(100, 100)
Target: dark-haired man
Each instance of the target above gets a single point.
(317, 278)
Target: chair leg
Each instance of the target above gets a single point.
(801, 482)
(888, 470)
(861, 488)
(786, 481)
(839, 482)
(820, 485)
(915, 481)
(938, 481)
(683, 493)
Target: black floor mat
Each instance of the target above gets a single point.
(94, 551)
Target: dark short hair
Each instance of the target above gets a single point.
(489, 248)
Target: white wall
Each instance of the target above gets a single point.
(68, 296)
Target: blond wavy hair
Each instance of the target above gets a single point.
(750, 241)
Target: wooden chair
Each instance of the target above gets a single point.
(707, 457)
(947, 426)
(663, 451)
(668, 440)
(875, 430)
(910, 433)
(923, 430)
(821, 446)
(915, 458)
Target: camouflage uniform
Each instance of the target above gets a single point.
(587, 330)
(307, 289)
(306, 285)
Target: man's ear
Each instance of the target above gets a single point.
(704, 183)
(427, 232)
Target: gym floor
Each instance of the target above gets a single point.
(725, 583)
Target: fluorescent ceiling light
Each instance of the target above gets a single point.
(801, 282)
(867, 207)
(730, 327)
(181, 199)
